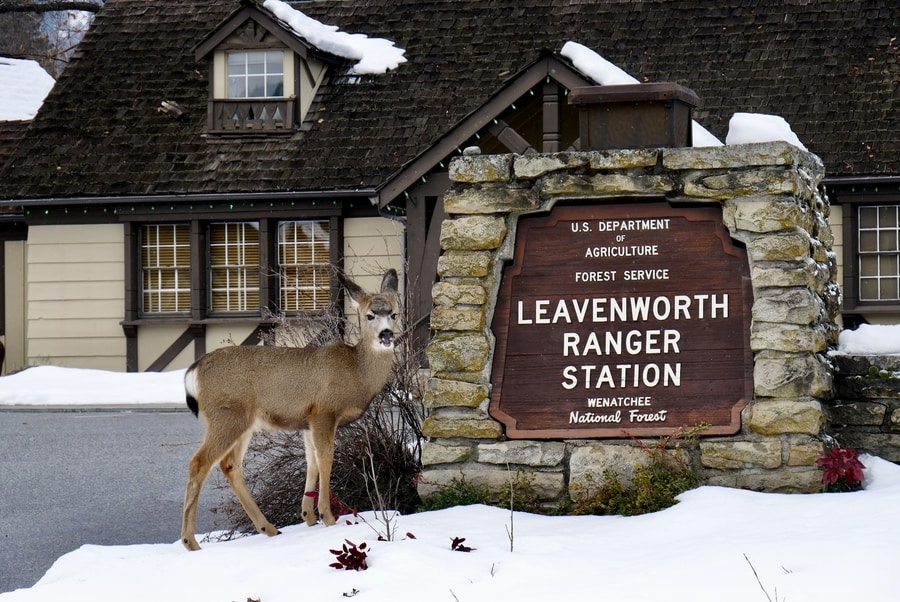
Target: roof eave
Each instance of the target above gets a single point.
(218, 197)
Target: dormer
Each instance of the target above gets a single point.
(262, 77)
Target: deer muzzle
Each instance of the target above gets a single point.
(386, 338)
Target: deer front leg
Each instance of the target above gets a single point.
(323, 440)
(308, 505)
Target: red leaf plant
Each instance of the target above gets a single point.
(350, 557)
(842, 470)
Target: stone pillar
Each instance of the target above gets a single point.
(771, 201)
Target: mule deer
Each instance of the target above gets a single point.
(238, 390)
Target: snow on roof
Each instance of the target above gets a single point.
(595, 66)
(373, 55)
(745, 128)
(23, 87)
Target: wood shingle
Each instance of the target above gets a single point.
(831, 71)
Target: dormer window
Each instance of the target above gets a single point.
(256, 74)
(264, 72)
(262, 78)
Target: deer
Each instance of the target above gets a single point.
(239, 390)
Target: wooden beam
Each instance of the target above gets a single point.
(516, 87)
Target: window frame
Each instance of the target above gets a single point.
(850, 201)
(201, 284)
(236, 270)
(143, 270)
(315, 266)
(247, 75)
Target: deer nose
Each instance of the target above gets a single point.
(386, 337)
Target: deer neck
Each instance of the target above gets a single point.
(374, 364)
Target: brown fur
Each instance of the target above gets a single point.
(237, 390)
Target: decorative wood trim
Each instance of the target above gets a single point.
(167, 356)
(529, 77)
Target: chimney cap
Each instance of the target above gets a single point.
(617, 93)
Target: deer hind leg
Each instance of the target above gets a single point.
(198, 469)
(221, 439)
(232, 465)
(308, 505)
(322, 435)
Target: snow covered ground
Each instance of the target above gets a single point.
(706, 548)
(716, 544)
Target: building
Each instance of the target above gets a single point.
(200, 162)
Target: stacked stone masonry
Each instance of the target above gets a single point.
(772, 202)
(865, 411)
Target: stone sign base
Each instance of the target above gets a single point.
(772, 203)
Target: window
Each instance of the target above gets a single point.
(234, 268)
(303, 272)
(256, 74)
(244, 266)
(263, 77)
(879, 252)
(165, 268)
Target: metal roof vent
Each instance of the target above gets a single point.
(634, 115)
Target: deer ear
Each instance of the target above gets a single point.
(355, 291)
(389, 282)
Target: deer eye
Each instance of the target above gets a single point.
(393, 316)
(370, 317)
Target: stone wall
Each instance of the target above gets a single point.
(771, 201)
(865, 411)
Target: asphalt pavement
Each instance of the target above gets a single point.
(70, 478)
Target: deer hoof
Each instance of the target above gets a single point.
(269, 530)
(190, 543)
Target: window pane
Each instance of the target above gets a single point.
(868, 289)
(868, 217)
(304, 265)
(165, 268)
(234, 267)
(868, 241)
(887, 240)
(256, 85)
(868, 265)
(887, 217)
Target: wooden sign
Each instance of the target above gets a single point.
(617, 318)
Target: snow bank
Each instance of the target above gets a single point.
(53, 385)
(870, 339)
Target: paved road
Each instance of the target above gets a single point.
(74, 478)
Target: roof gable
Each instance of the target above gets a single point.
(251, 24)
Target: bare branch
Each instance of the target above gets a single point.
(17, 6)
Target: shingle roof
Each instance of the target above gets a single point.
(831, 70)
